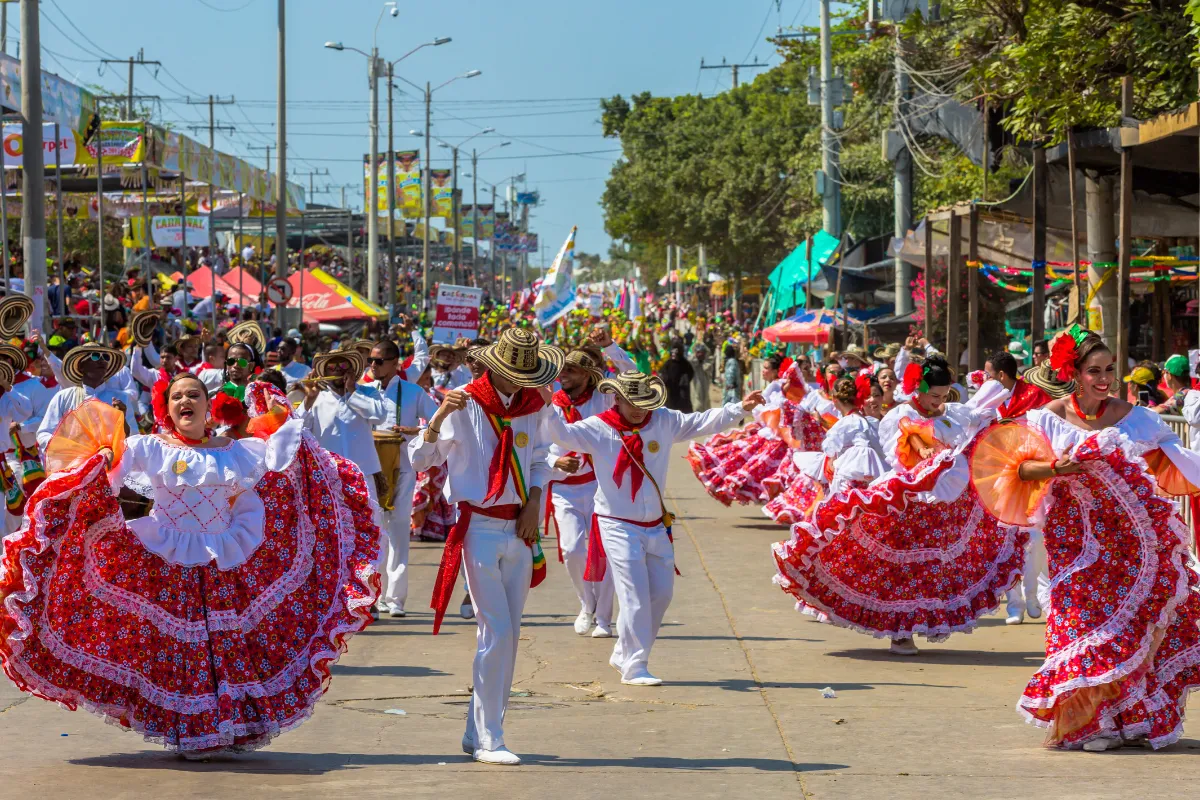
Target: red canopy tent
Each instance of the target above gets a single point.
(322, 302)
(202, 280)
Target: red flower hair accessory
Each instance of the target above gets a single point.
(914, 379)
(158, 403)
(1064, 352)
(785, 365)
(227, 409)
(977, 378)
(862, 386)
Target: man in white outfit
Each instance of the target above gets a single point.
(572, 487)
(489, 435)
(343, 413)
(630, 446)
(406, 404)
(88, 371)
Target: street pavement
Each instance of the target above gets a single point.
(741, 714)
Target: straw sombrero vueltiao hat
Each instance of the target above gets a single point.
(6, 375)
(358, 362)
(587, 359)
(249, 333)
(646, 392)
(15, 310)
(520, 357)
(14, 357)
(364, 346)
(1044, 378)
(142, 327)
(114, 362)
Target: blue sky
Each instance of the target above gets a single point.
(545, 65)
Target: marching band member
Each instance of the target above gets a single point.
(572, 487)
(495, 421)
(630, 443)
(405, 404)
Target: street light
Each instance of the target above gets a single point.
(427, 182)
(454, 193)
(474, 176)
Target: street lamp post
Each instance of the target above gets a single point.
(427, 177)
(454, 148)
(475, 207)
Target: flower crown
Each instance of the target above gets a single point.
(862, 387)
(1064, 351)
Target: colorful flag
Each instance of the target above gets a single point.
(557, 294)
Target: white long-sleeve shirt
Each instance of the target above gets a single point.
(14, 407)
(67, 400)
(466, 444)
(603, 442)
(343, 423)
(405, 404)
(598, 403)
(146, 376)
(420, 359)
(122, 382)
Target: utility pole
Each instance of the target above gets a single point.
(733, 68)
(281, 198)
(373, 191)
(492, 249)
(262, 223)
(475, 215)
(454, 213)
(139, 59)
(902, 177)
(33, 168)
(391, 190)
(213, 127)
(831, 216)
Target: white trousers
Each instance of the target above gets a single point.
(573, 515)
(394, 528)
(499, 566)
(1024, 594)
(642, 563)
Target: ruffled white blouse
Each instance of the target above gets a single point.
(852, 444)
(1142, 430)
(205, 507)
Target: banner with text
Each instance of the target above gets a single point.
(14, 145)
(165, 232)
(442, 193)
(456, 313)
(408, 183)
(557, 293)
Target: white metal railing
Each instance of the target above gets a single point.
(1183, 431)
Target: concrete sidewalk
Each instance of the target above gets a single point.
(741, 714)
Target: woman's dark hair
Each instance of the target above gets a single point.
(775, 360)
(936, 371)
(730, 351)
(845, 391)
(1092, 343)
(273, 377)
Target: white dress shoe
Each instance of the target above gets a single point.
(1033, 610)
(602, 632)
(583, 623)
(1099, 745)
(466, 611)
(903, 647)
(643, 679)
(396, 611)
(1016, 619)
(502, 757)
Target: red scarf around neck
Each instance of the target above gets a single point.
(524, 402)
(633, 444)
(571, 407)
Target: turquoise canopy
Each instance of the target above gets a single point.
(793, 272)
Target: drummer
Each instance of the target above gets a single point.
(407, 405)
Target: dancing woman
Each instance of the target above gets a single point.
(915, 552)
(1122, 646)
(211, 624)
(850, 454)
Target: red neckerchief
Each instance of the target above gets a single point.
(570, 407)
(633, 444)
(205, 365)
(1025, 397)
(524, 402)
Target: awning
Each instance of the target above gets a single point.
(326, 299)
(793, 272)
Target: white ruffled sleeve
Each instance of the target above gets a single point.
(131, 472)
(276, 453)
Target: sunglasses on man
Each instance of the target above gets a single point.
(378, 362)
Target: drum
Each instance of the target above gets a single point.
(387, 447)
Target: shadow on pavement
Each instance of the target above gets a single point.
(265, 762)
(698, 638)
(387, 671)
(931, 654)
(746, 685)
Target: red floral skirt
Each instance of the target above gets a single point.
(723, 454)
(797, 500)
(433, 516)
(881, 561)
(194, 658)
(1122, 644)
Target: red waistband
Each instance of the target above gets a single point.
(506, 511)
(576, 480)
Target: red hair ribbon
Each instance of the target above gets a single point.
(862, 386)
